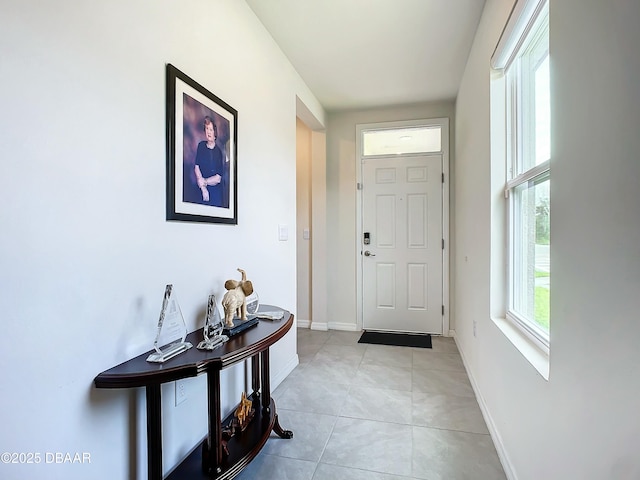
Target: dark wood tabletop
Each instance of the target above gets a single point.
(137, 372)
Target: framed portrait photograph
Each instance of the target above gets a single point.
(202, 164)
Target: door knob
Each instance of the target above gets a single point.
(367, 253)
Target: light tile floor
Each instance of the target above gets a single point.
(371, 412)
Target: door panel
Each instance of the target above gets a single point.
(402, 276)
(386, 215)
(417, 286)
(385, 286)
(417, 221)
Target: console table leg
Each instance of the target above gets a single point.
(215, 420)
(154, 432)
(266, 395)
(265, 380)
(281, 432)
(255, 375)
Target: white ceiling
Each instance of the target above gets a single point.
(370, 53)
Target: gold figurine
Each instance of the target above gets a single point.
(244, 413)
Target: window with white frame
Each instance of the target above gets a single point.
(523, 56)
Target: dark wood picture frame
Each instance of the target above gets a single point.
(202, 174)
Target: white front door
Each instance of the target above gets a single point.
(402, 262)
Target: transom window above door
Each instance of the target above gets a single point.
(401, 141)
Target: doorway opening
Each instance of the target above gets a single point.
(311, 227)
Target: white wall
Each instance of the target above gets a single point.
(85, 251)
(341, 198)
(582, 423)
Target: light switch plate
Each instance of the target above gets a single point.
(181, 391)
(283, 232)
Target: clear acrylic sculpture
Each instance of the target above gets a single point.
(172, 330)
(212, 331)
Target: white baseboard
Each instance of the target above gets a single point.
(346, 327)
(495, 436)
(277, 377)
(303, 323)
(325, 326)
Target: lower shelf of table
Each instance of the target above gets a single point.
(242, 447)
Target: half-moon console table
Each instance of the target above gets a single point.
(218, 458)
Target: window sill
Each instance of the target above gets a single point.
(535, 355)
